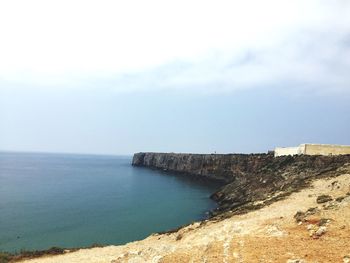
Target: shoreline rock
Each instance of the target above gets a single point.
(270, 234)
(251, 181)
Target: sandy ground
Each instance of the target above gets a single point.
(270, 234)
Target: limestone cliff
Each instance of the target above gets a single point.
(251, 180)
(222, 167)
(310, 224)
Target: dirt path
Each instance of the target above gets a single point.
(270, 234)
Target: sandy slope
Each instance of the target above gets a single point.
(270, 234)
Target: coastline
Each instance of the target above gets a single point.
(298, 173)
(94, 202)
(274, 233)
(251, 181)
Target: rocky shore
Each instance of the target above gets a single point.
(311, 225)
(251, 180)
(285, 209)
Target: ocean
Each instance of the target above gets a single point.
(70, 200)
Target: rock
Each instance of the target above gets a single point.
(323, 199)
(340, 198)
(323, 221)
(335, 184)
(331, 205)
(295, 261)
(312, 233)
(310, 227)
(179, 237)
(248, 181)
(299, 216)
(312, 211)
(315, 231)
(346, 259)
(322, 230)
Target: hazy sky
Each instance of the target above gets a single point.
(119, 77)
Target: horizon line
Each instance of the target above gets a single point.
(67, 153)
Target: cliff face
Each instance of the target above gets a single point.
(222, 167)
(251, 180)
(310, 225)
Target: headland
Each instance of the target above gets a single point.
(292, 208)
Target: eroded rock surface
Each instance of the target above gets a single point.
(251, 180)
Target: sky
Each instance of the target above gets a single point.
(118, 77)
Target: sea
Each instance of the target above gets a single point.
(71, 200)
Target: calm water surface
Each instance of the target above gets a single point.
(76, 200)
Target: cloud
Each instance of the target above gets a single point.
(209, 46)
(311, 61)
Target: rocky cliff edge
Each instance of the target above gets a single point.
(250, 180)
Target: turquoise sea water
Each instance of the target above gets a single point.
(76, 200)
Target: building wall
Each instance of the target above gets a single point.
(281, 151)
(313, 149)
(326, 149)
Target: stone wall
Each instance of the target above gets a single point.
(326, 149)
(313, 149)
(281, 151)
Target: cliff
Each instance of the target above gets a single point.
(221, 167)
(251, 180)
(311, 225)
(305, 217)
